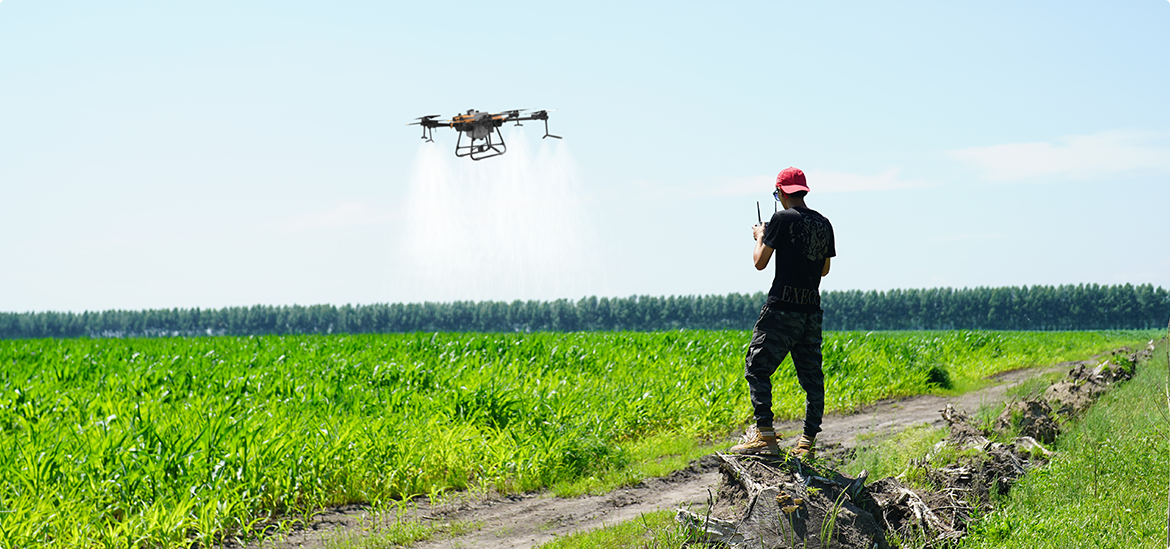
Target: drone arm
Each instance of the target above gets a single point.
(539, 115)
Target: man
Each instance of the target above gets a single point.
(790, 321)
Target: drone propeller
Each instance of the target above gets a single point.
(423, 119)
(512, 115)
(428, 124)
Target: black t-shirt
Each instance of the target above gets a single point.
(802, 239)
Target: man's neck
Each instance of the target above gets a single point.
(795, 202)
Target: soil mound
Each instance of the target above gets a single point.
(1032, 418)
(773, 502)
(1074, 395)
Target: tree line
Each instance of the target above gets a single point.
(1067, 307)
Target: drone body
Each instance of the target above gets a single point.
(482, 130)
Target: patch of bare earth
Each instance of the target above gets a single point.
(527, 520)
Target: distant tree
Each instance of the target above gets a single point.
(1065, 307)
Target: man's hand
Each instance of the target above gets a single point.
(762, 252)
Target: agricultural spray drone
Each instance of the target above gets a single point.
(479, 127)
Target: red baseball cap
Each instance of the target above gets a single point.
(791, 180)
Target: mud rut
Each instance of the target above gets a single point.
(527, 520)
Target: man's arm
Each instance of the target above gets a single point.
(762, 253)
(825, 270)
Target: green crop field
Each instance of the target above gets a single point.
(175, 442)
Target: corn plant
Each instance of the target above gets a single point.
(173, 442)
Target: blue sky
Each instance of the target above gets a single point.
(157, 155)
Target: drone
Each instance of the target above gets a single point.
(480, 127)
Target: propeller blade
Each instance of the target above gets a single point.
(427, 120)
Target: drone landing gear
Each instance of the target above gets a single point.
(483, 147)
(546, 134)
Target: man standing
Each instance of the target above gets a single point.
(790, 321)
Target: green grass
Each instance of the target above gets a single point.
(890, 456)
(1033, 387)
(401, 530)
(653, 456)
(1107, 485)
(657, 530)
(174, 442)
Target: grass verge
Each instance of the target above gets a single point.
(655, 456)
(890, 456)
(1107, 485)
(656, 530)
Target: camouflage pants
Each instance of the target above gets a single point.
(776, 334)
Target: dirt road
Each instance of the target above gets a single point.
(524, 521)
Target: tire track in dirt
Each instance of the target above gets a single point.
(527, 520)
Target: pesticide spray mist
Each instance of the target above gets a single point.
(501, 229)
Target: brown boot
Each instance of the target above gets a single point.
(757, 442)
(804, 448)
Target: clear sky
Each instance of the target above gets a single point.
(210, 154)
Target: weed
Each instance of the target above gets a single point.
(985, 416)
(938, 376)
(789, 512)
(1032, 388)
(892, 455)
(829, 524)
(657, 530)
